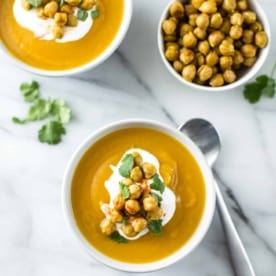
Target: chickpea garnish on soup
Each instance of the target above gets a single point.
(210, 42)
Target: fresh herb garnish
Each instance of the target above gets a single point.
(51, 133)
(115, 236)
(41, 109)
(157, 184)
(30, 91)
(155, 226)
(263, 86)
(157, 197)
(82, 15)
(61, 2)
(127, 165)
(36, 3)
(95, 14)
(124, 190)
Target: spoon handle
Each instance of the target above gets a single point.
(240, 260)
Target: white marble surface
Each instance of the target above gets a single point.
(34, 239)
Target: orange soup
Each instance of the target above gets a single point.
(50, 55)
(180, 172)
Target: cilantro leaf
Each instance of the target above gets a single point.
(155, 226)
(61, 111)
(157, 197)
(35, 3)
(262, 86)
(82, 15)
(124, 190)
(39, 110)
(115, 236)
(30, 91)
(19, 121)
(127, 165)
(51, 133)
(95, 14)
(157, 184)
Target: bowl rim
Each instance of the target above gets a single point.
(112, 47)
(245, 78)
(205, 220)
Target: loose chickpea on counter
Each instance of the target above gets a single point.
(213, 41)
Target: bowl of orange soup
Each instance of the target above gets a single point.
(138, 195)
(62, 37)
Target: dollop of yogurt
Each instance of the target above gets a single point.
(168, 203)
(42, 27)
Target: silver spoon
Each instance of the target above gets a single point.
(205, 136)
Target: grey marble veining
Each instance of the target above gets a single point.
(34, 239)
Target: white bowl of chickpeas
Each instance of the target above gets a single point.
(213, 45)
(138, 195)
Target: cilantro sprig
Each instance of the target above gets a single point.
(127, 165)
(155, 226)
(124, 190)
(41, 109)
(157, 184)
(115, 236)
(263, 86)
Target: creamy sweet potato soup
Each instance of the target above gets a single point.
(82, 41)
(178, 169)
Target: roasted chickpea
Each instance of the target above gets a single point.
(150, 203)
(229, 5)
(135, 191)
(26, 5)
(169, 26)
(216, 20)
(132, 206)
(229, 76)
(107, 227)
(186, 56)
(61, 18)
(236, 32)
(226, 25)
(249, 17)
(178, 66)
(72, 20)
(247, 36)
(118, 202)
(192, 19)
(205, 72)
(217, 80)
(149, 170)
(57, 31)
(208, 6)
(226, 48)
(87, 4)
(127, 181)
(238, 57)
(66, 8)
(171, 53)
(138, 160)
(190, 9)
(248, 62)
(199, 33)
(40, 13)
(51, 9)
(236, 19)
(128, 230)
(189, 40)
(170, 38)
(177, 9)
(136, 174)
(225, 62)
(215, 38)
(202, 21)
(139, 224)
(73, 2)
(242, 5)
(115, 216)
(157, 213)
(185, 28)
(261, 39)
(212, 58)
(248, 50)
(256, 27)
(197, 3)
(200, 59)
(204, 47)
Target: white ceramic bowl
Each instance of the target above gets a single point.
(90, 65)
(245, 75)
(205, 219)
